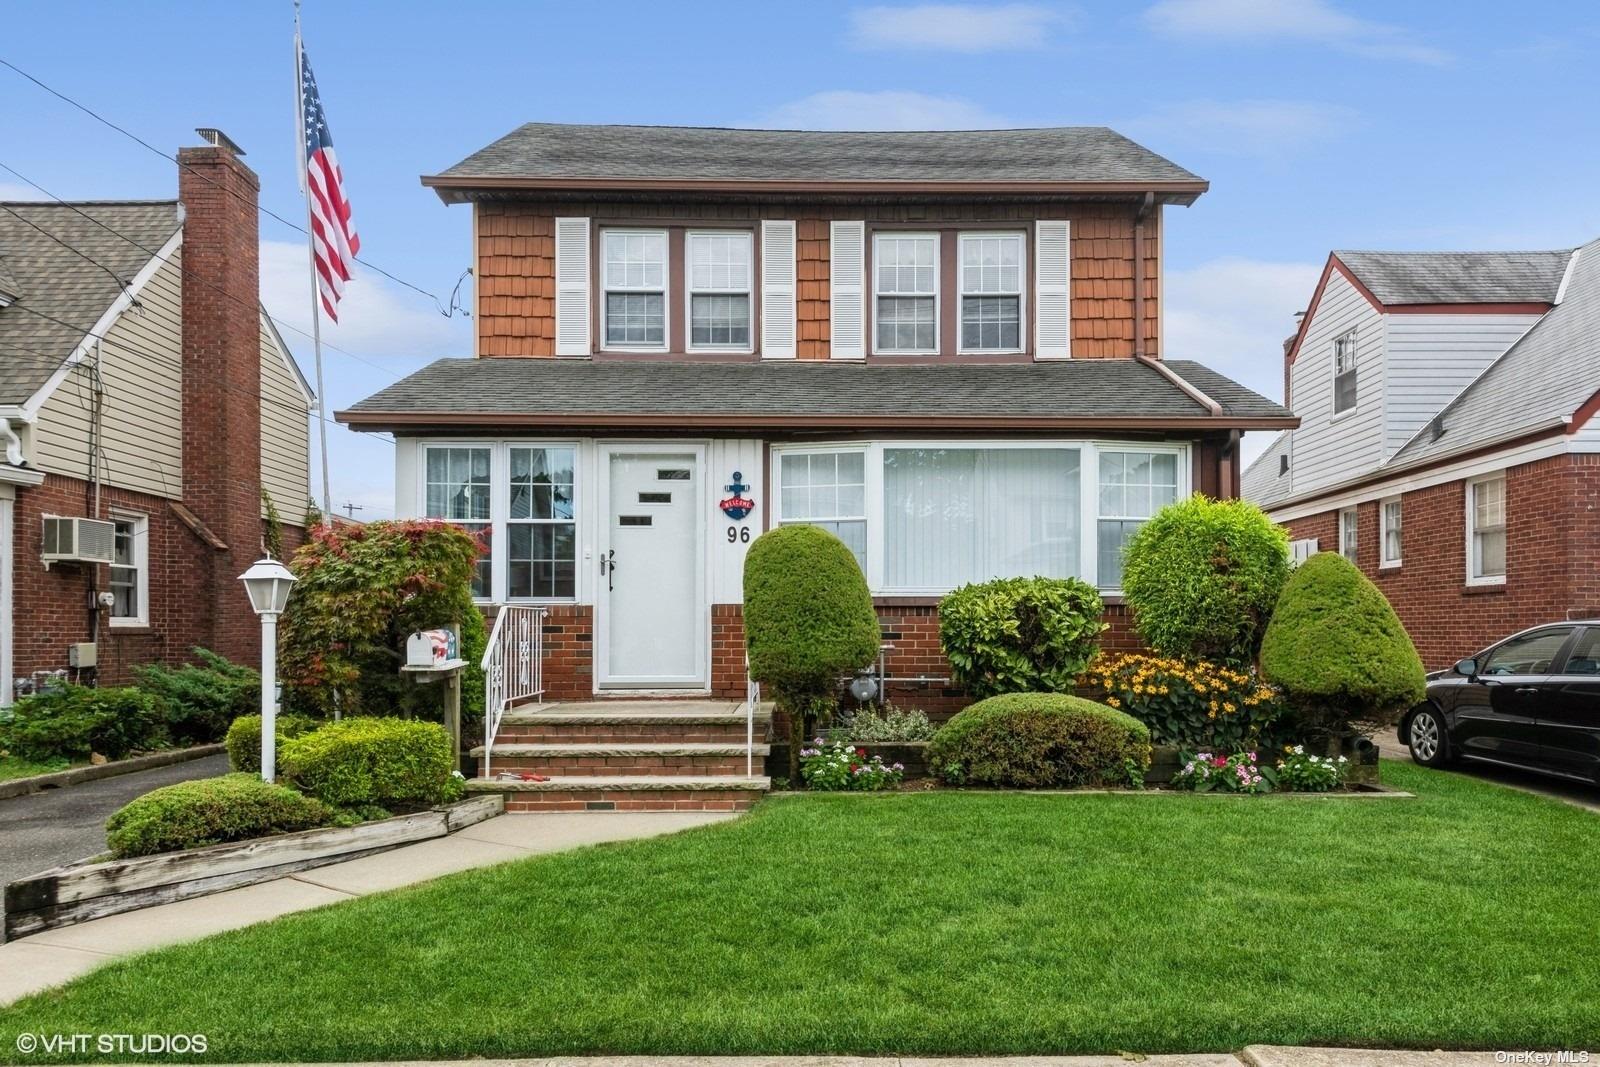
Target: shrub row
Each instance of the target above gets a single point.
(235, 807)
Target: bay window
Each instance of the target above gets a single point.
(719, 290)
(635, 282)
(541, 535)
(991, 292)
(906, 290)
(457, 491)
(1133, 487)
(1486, 531)
(827, 489)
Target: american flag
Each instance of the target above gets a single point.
(333, 233)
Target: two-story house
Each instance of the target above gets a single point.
(944, 347)
(1447, 442)
(149, 410)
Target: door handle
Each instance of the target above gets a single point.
(608, 567)
(1526, 690)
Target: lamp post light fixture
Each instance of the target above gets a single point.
(268, 582)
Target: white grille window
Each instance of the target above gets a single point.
(1344, 372)
(826, 489)
(1133, 487)
(635, 281)
(1390, 516)
(991, 292)
(1349, 535)
(541, 534)
(1486, 530)
(130, 570)
(719, 290)
(457, 491)
(906, 281)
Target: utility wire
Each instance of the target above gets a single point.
(121, 283)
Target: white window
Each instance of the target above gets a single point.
(906, 281)
(1349, 536)
(1344, 372)
(130, 571)
(1302, 550)
(1133, 487)
(1389, 536)
(1486, 531)
(457, 491)
(541, 534)
(958, 515)
(991, 292)
(635, 283)
(719, 291)
(826, 489)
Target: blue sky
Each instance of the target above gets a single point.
(1320, 123)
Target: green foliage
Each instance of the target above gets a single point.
(199, 701)
(1202, 577)
(1338, 650)
(1214, 772)
(235, 807)
(244, 738)
(313, 516)
(1020, 635)
(887, 723)
(1191, 705)
(390, 763)
(1040, 741)
(808, 620)
(835, 767)
(362, 591)
(73, 722)
(272, 538)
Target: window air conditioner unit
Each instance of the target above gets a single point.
(73, 540)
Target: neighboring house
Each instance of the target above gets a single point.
(1447, 441)
(944, 347)
(141, 385)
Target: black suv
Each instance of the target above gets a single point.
(1532, 701)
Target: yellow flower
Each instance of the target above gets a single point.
(1113, 702)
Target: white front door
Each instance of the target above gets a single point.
(654, 622)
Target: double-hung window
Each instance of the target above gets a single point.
(541, 534)
(1344, 372)
(1349, 535)
(1486, 531)
(991, 292)
(1133, 487)
(719, 290)
(635, 280)
(826, 489)
(1389, 514)
(457, 491)
(906, 286)
(130, 570)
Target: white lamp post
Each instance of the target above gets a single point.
(268, 582)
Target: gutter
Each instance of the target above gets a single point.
(726, 422)
(1181, 190)
(1188, 388)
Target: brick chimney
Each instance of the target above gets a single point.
(222, 383)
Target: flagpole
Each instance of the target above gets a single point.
(311, 260)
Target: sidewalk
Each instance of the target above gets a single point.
(56, 956)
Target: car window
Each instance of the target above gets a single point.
(1585, 658)
(1531, 654)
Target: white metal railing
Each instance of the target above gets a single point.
(513, 667)
(752, 700)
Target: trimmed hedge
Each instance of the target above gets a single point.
(74, 722)
(1202, 578)
(198, 702)
(1040, 741)
(244, 738)
(1020, 635)
(209, 811)
(1338, 650)
(372, 762)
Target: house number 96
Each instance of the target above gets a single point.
(739, 534)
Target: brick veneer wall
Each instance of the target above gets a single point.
(1552, 543)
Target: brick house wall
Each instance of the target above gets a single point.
(1552, 545)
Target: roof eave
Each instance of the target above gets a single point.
(725, 422)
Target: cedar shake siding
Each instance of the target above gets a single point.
(515, 265)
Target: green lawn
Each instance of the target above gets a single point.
(17, 767)
(934, 923)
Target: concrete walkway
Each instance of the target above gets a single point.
(56, 956)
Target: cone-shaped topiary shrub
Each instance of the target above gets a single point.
(808, 620)
(1338, 650)
(1203, 577)
(1040, 741)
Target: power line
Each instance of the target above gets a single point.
(447, 312)
(121, 284)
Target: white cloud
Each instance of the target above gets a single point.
(889, 109)
(16, 191)
(1266, 128)
(953, 27)
(1314, 21)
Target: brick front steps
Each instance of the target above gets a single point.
(628, 755)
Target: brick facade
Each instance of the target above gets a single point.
(1552, 545)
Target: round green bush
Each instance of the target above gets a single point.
(1338, 650)
(198, 701)
(1020, 635)
(1040, 741)
(244, 738)
(1202, 577)
(371, 762)
(73, 722)
(209, 811)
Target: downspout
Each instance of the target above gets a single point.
(1139, 216)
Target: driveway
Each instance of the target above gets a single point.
(1583, 796)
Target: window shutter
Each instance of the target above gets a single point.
(572, 287)
(847, 297)
(777, 289)
(1052, 302)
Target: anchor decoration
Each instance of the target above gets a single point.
(737, 506)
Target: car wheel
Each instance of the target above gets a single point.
(1426, 738)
